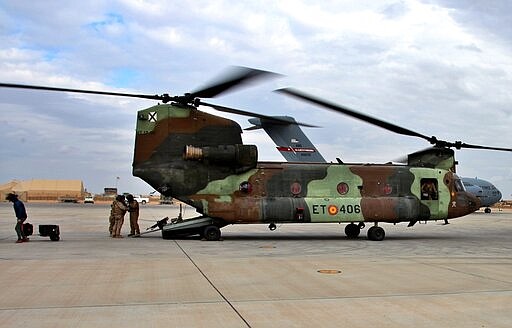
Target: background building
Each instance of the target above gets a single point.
(45, 190)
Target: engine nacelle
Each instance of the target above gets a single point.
(240, 156)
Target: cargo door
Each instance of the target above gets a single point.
(430, 195)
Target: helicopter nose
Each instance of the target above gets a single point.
(473, 202)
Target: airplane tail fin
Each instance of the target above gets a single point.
(291, 142)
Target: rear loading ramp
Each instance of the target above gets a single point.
(204, 226)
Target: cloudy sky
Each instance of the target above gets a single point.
(438, 67)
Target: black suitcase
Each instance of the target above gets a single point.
(28, 229)
(50, 230)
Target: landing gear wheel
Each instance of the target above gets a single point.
(352, 231)
(376, 233)
(487, 210)
(167, 235)
(211, 233)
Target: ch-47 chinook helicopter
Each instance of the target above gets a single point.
(199, 159)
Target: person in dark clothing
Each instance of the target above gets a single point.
(21, 216)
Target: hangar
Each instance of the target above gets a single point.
(44, 190)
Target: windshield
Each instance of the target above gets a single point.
(459, 186)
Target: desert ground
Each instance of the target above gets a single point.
(300, 275)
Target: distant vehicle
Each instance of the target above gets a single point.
(89, 200)
(165, 200)
(68, 199)
(484, 190)
(141, 199)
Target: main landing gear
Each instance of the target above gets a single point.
(211, 233)
(375, 233)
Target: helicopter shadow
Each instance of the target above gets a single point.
(316, 237)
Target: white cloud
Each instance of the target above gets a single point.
(439, 70)
(162, 36)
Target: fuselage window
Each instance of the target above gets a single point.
(429, 189)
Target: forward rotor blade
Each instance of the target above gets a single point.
(246, 113)
(352, 113)
(164, 98)
(238, 77)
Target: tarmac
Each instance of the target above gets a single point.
(300, 275)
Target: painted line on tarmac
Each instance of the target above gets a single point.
(273, 300)
(213, 285)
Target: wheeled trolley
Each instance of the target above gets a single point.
(49, 230)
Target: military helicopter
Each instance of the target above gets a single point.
(200, 159)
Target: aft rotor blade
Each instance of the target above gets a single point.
(238, 77)
(460, 145)
(388, 126)
(344, 110)
(246, 113)
(164, 98)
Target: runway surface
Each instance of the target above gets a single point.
(309, 275)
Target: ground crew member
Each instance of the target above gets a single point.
(133, 208)
(119, 209)
(111, 220)
(21, 216)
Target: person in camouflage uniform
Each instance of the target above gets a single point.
(133, 208)
(111, 219)
(118, 211)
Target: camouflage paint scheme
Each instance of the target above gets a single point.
(222, 179)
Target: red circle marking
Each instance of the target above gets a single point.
(295, 188)
(342, 188)
(388, 189)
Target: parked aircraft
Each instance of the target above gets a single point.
(484, 190)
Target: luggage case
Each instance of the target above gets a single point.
(50, 230)
(28, 229)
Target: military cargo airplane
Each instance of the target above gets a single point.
(200, 159)
(486, 192)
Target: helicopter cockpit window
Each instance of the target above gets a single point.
(458, 185)
(429, 189)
